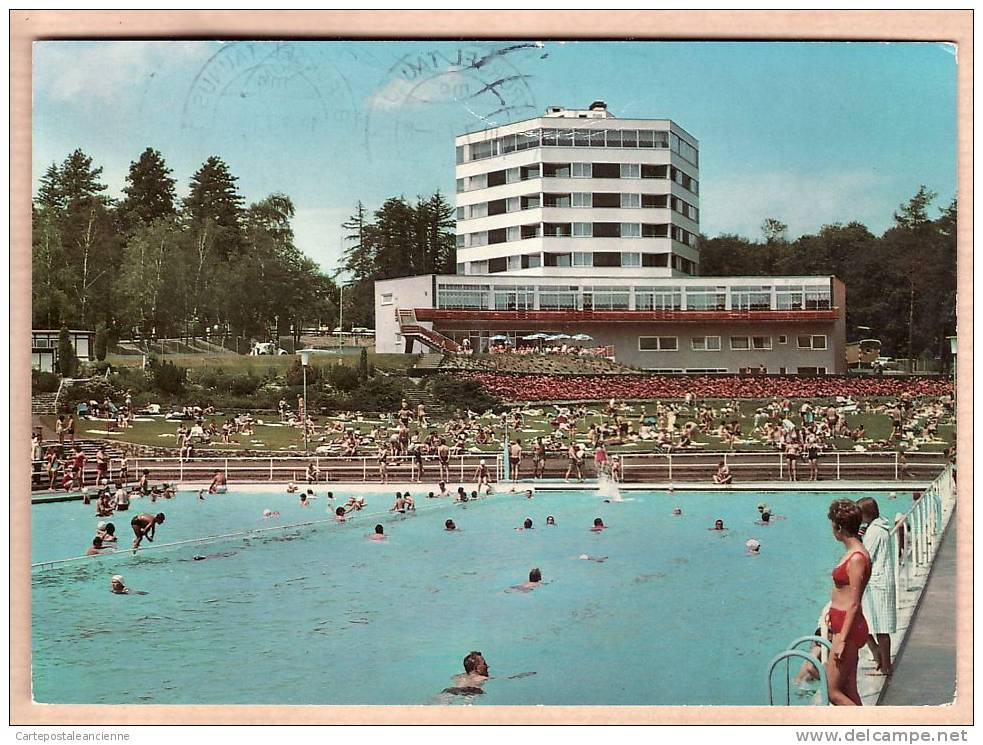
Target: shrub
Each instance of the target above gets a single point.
(363, 365)
(454, 393)
(168, 377)
(343, 378)
(44, 382)
(93, 390)
(101, 342)
(244, 385)
(67, 361)
(295, 373)
(378, 394)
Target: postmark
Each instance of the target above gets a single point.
(452, 89)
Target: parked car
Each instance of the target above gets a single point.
(261, 348)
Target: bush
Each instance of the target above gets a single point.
(93, 390)
(101, 342)
(342, 378)
(376, 395)
(44, 382)
(67, 361)
(328, 403)
(363, 364)
(244, 385)
(134, 379)
(295, 373)
(454, 393)
(168, 377)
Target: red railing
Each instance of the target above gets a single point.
(623, 316)
(430, 338)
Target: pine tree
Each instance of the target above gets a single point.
(149, 190)
(49, 189)
(78, 180)
(214, 199)
(358, 258)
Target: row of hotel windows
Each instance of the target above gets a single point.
(578, 199)
(615, 138)
(608, 259)
(558, 297)
(578, 170)
(576, 230)
(737, 343)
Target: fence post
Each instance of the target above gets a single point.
(669, 456)
(837, 465)
(895, 465)
(462, 469)
(226, 469)
(365, 468)
(180, 469)
(781, 467)
(271, 469)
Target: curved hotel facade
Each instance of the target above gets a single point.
(580, 222)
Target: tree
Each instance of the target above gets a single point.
(78, 181)
(50, 275)
(363, 365)
(67, 361)
(774, 231)
(49, 189)
(214, 205)
(149, 190)
(914, 214)
(101, 345)
(358, 257)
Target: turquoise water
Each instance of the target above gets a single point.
(321, 615)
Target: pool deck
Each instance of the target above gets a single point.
(360, 487)
(925, 665)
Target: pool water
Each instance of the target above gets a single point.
(319, 614)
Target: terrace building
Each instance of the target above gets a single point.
(581, 223)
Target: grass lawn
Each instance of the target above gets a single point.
(259, 365)
(160, 433)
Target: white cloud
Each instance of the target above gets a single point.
(102, 72)
(804, 202)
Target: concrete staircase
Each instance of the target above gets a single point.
(430, 361)
(89, 447)
(415, 394)
(44, 404)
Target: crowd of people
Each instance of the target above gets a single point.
(602, 388)
(571, 350)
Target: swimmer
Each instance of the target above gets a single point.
(219, 483)
(588, 557)
(431, 495)
(677, 512)
(535, 579)
(808, 671)
(753, 547)
(598, 525)
(340, 514)
(550, 520)
(410, 504)
(201, 495)
(526, 524)
(304, 502)
(400, 504)
(330, 495)
(106, 532)
(449, 525)
(291, 488)
(718, 525)
(96, 548)
(474, 494)
(378, 535)
(145, 526)
(268, 513)
(528, 493)
(443, 490)
(116, 585)
(474, 676)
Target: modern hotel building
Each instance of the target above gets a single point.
(580, 222)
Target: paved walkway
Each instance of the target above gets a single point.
(925, 669)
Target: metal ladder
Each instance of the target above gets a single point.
(790, 652)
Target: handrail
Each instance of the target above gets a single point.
(786, 655)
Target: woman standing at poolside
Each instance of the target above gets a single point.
(846, 619)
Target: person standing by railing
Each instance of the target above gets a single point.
(879, 606)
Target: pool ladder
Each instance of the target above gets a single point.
(792, 651)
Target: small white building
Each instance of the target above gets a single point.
(44, 347)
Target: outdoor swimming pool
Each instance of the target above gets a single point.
(321, 615)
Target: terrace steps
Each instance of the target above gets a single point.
(44, 404)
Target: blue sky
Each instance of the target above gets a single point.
(809, 133)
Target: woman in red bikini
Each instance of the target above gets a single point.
(846, 620)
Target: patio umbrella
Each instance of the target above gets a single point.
(497, 336)
(557, 337)
(581, 337)
(533, 337)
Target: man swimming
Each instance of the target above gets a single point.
(449, 525)
(145, 526)
(219, 484)
(535, 579)
(526, 524)
(598, 525)
(378, 535)
(718, 525)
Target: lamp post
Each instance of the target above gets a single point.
(305, 360)
(952, 348)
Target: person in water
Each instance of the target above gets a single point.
(449, 525)
(598, 525)
(753, 547)
(535, 579)
(378, 535)
(96, 548)
(845, 616)
(550, 520)
(677, 512)
(718, 524)
(526, 524)
(116, 585)
(340, 514)
(145, 526)
(475, 675)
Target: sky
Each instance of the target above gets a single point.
(809, 133)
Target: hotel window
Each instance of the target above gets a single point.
(607, 259)
(558, 298)
(529, 172)
(655, 230)
(817, 341)
(512, 233)
(750, 298)
(740, 342)
(530, 202)
(479, 267)
(460, 185)
(658, 298)
(461, 268)
(531, 261)
(610, 298)
(478, 239)
(782, 339)
(789, 298)
(531, 231)
(564, 138)
(460, 154)
(761, 342)
(557, 170)
(629, 201)
(556, 200)
(479, 210)
(515, 298)
(607, 230)
(650, 260)
(706, 298)
(631, 230)
(655, 200)
(497, 207)
(549, 137)
(645, 138)
(459, 239)
(631, 170)
(480, 150)
(478, 182)
(560, 260)
(526, 140)
(706, 343)
(606, 199)
(582, 230)
(459, 213)
(513, 204)
(515, 262)
(631, 258)
(513, 175)
(508, 144)
(581, 199)
(462, 296)
(606, 170)
(817, 298)
(497, 265)
(614, 138)
(650, 171)
(597, 138)
(629, 138)
(581, 137)
(583, 258)
(657, 344)
(662, 140)
(556, 229)
(581, 170)
(386, 299)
